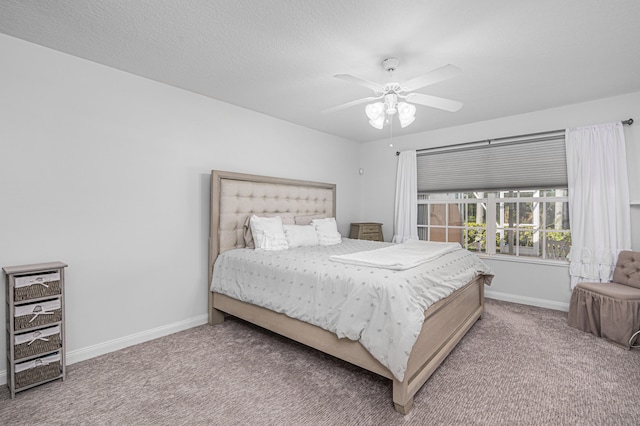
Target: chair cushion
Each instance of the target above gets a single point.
(614, 290)
(627, 270)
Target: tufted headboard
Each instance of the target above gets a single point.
(236, 196)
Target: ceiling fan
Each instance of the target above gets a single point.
(399, 97)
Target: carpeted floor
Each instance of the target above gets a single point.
(519, 365)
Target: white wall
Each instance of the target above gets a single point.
(109, 172)
(541, 285)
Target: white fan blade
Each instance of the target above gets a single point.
(434, 102)
(352, 103)
(432, 77)
(362, 82)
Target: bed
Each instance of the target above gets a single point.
(235, 196)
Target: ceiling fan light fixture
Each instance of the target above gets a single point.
(381, 113)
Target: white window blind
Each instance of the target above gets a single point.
(509, 163)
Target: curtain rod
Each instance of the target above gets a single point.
(628, 122)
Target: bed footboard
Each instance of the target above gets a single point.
(446, 323)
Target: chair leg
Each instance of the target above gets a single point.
(631, 345)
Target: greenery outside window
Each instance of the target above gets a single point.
(524, 223)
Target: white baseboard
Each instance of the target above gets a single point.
(524, 300)
(123, 342)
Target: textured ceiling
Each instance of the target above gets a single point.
(278, 57)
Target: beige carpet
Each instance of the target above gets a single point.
(518, 365)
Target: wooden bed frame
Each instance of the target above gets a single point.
(235, 196)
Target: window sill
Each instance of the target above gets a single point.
(522, 259)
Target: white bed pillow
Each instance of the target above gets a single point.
(268, 233)
(287, 219)
(327, 230)
(326, 225)
(306, 219)
(300, 236)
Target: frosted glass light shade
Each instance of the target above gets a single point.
(405, 122)
(406, 113)
(374, 110)
(378, 123)
(406, 110)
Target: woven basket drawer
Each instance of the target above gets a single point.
(37, 314)
(35, 286)
(37, 342)
(38, 370)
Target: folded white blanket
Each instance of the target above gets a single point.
(399, 257)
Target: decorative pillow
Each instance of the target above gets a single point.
(306, 220)
(326, 225)
(329, 239)
(300, 235)
(327, 230)
(268, 233)
(273, 241)
(246, 233)
(287, 218)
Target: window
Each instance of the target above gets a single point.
(480, 195)
(525, 223)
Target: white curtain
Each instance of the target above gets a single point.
(599, 211)
(406, 211)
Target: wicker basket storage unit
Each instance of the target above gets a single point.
(35, 324)
(37, 314)
(37, 342)
(38, 370)
(36, 286)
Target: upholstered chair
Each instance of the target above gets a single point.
(611, 310)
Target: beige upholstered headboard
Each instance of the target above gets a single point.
(236, 196)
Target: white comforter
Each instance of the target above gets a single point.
(381, 308)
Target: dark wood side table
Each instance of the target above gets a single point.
(366, 231)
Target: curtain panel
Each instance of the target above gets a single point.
(406, 207)
(599, 211)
